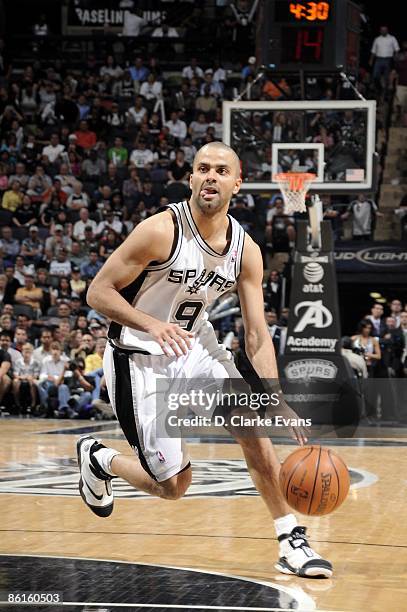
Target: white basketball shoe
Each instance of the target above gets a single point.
(298, 558)
(95, 484)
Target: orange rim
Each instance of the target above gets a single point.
(294, 180)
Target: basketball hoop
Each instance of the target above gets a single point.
(294, 187)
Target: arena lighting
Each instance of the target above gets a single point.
(381, 300)
(375, 296)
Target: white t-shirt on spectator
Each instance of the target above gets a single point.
(189, 73)
(219, 75)
(79, 228)
(136, 116)
(385, 46)
(132, 24)
(362, 216)
(141, 158)
(53, 152)
(198, 130)
(150, 91)
(60, 268)
(177, 128)
(159, 33)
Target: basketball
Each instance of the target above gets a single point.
(314, 480)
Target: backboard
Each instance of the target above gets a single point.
(333, 139)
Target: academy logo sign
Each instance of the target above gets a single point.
(316, 314)
(212, 478)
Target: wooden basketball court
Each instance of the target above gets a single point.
(222, 527)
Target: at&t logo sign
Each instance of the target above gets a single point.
(313, 272)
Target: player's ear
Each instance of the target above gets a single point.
(236, 188)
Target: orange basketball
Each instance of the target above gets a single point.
(314, 480)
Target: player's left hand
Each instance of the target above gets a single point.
(297, 432)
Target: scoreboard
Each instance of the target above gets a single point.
(310, 35)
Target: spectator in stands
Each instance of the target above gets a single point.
(132, 23)
(395, 311)
(5, 365)
(177, 127)
(242, 214)
(6, 344)
(84, 221)
(12, 198)
(139, 72)
(131, 187)
(12, 284)
(78, 285)
(356, 361)
(57, 241)
(32, 247)
(110, 221)
(25, 380)
(280, 229)
(272, 291)
(10, 246)
(164, 31)
(26, 214)
(90, 268)
(151, 90)
(364, 213)
(392, 345)
(376, 318)
(118, 154)
(60, 264)
(20, 175)
(368, 345)
(86, 138)
(383, 50)
(192, 70)
(249, 69)
(77, 200)
(39, 184)
(179, 169)
(44, 350)
(206, 102)
(54, 150)
(141, 157)
(136, 113)
(3, 284)
(278, 333)
(29, 295)
(197, 129)
(94, 360)
(401, 82)
(20, 338)
(215, 87)
(52, 373)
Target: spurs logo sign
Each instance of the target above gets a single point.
(316, 314)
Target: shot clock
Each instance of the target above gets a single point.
(310, 35)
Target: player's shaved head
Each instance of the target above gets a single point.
(219, 147)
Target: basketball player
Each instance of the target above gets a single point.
(155, 288)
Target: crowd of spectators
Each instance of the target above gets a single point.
(85, 157)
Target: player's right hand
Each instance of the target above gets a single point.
(172, 338)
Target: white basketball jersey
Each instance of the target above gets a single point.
(180, 289)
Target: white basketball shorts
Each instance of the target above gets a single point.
(131, 384)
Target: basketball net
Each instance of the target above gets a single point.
(294, 187)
